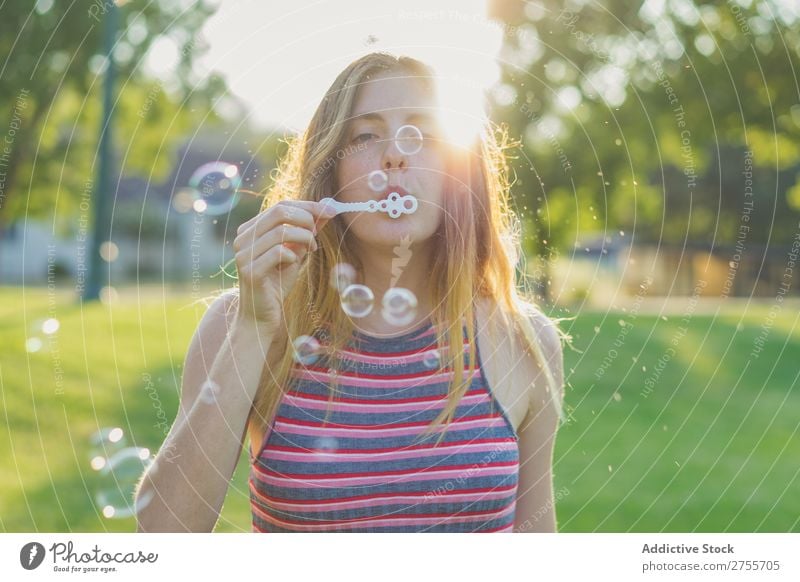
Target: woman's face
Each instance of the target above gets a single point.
(384, 105)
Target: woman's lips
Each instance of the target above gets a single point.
(399, 189)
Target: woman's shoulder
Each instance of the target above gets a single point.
(222, 302)
(215, 313)
(221, 308)
(220, 316)
(545, 328)
(526, 326)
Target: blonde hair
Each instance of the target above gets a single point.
(477, 222)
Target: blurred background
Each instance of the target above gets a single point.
(656, 177)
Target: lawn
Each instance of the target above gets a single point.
(674, 426)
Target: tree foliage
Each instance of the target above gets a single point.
(637, 117)
(51, 77)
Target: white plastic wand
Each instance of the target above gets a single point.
(394, 205)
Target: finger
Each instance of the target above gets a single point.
(278, 255)
(320, 222)
(256, 271)
(293, 236)
(281, 213)
(250, 237)
(299, 249)
(303, 213)
(318, 209)
(299, 240)
(299, 212)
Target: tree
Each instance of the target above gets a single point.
(49, 92)
(636, 117)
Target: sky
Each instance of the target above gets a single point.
(280, 56)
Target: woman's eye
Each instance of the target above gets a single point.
(364, 137)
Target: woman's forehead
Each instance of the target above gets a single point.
(385, 95)
(413, 115)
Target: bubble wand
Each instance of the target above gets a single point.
(394, 205)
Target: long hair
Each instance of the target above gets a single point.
(477, 225)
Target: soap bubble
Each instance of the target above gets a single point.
(325, 446)
(408, 139)
(431, 359)
(210, 392)
(306, 350)
(104, 444)
(398, 319)
(119, 476)
(215, 188)
(399, 306)
(108, 295)
(357, 300)
(109, 251)
(183, 200)
(342, 276)
(50, 326)
(378, 180)
(33, 344)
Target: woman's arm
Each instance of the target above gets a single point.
(535, 511)
(185, 487)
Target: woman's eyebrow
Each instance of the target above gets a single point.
(421, 118)
(412, 118)
(367, 117)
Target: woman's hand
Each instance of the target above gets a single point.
(270, 248)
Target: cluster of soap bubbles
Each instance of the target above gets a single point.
(408, 140)
(48, 327)
(398, 305)
(120, 468)
(213, 189)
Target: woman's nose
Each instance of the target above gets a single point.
(393, 158)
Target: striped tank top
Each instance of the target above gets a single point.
(367, 469)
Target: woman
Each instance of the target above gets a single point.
(385, 428)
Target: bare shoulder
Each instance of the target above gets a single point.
(533, 342)
(548, 334)
(549, 384)
(216, 322)
(221, 310)
(545, 330)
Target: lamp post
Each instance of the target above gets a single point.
(101, 229)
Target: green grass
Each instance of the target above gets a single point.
(713, 447)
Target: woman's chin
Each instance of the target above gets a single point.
(383, 230)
